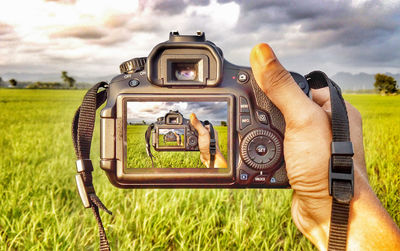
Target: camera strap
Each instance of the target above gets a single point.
(82, 132)
(147, 136)
(341, 174)
(213, 148)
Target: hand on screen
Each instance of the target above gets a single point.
(204, 144)
(178, 139)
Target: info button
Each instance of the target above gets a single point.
(245, 121)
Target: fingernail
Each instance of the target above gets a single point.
(264, 54)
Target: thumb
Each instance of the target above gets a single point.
(278, 84)
(197, 125)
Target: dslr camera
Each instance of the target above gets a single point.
(189, 74)
(173, 132)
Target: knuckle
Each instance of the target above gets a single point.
(279, 78)
(306, 119)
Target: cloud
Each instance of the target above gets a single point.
(5, 29)
(82, 32)
(306, 35)
(117, 20)
(170, 7)
(150, 111)
(62, 1)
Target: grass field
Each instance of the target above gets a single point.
(137, 156)
(41, 210)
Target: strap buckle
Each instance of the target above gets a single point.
(213, 147)
(341, 184)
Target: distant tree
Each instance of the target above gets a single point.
(13, 82)
(385, 84)
(70, 81)
(44, 85)
(144, 122)
(223, 123)
(1, 80)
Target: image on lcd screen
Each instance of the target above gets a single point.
(166, 128)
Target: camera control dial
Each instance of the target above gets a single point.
(192, 141)
(261, 149)
(132, 65)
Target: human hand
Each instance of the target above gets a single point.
(307, 151)
(178, 139)
(204, 144)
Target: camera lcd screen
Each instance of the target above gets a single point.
(175, 142)
(173, 137)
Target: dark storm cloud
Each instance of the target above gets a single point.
(200, 2)
(170, 7)
(346, 24)
(212, 111)
(322, 33)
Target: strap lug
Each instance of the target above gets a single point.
(84, 165)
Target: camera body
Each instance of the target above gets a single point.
(173, 132)
(189, 74)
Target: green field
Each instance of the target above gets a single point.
(137, 156)
(41, 210)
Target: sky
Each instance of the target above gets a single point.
(215, 112)
(91, 38)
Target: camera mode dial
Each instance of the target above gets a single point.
(261, 149)
(132, 65)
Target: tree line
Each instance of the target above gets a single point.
(67, 81)
(384, 84)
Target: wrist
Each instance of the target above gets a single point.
(369, 225)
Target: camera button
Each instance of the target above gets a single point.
(261, 150)
(262, 117)
(134, 82)
(243, 175)
(242, 77)
(245, 121)
(244, 105)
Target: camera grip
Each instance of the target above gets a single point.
(266, 104)
(277, 119)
